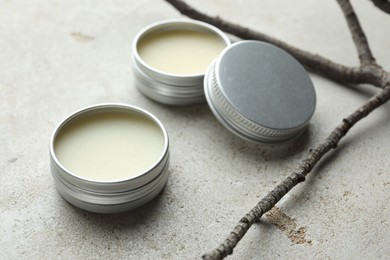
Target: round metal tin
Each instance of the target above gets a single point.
(110, 196)
(166, 88)
(260, 92)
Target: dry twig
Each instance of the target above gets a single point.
(384, 5)
(317, 63)
(367, 72)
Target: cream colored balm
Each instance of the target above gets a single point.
(180, 52)
(109, 145)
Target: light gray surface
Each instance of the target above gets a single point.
(59, 56)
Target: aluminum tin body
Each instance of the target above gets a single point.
(110, 196)
(166, 88)
(260, 93)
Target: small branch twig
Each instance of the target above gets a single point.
(296, 177)
(365, 56)
(317, 63)
(384, 5)
(367, 72)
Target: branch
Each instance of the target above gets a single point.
(317, 63)
(359, 38)
(384, 5)
(367, 72)
(302, 170)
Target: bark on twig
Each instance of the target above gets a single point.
(368, 72)
(315, 62)
(358, 36)
(384, 5)
(304, 168)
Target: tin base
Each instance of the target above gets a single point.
(108, 208)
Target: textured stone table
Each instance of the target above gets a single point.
(59, 56)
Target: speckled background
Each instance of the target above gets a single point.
(59, 56)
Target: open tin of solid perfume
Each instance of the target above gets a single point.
(170, 59)
(260, 92)
(109, 158)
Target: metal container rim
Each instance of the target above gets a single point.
(108, 106)
(182, 22)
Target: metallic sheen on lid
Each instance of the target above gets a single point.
(260, 92)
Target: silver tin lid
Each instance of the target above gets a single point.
(109, 196)
(169, 88)
(260, 92)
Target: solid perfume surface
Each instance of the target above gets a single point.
(109, 145)
(183, 52)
